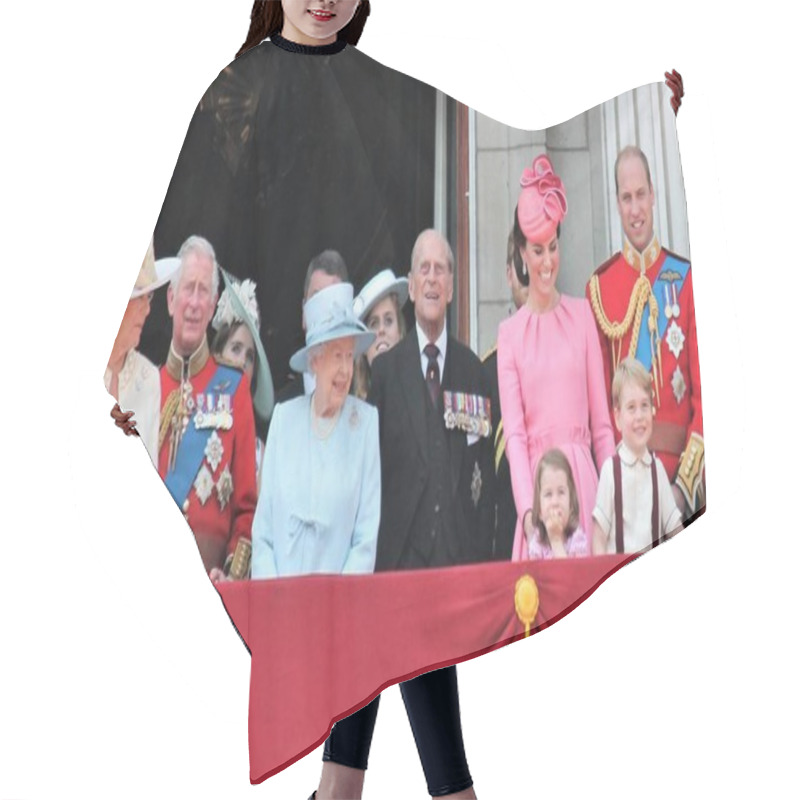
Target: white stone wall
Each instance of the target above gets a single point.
(583, 150)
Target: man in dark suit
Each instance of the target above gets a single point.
(437, 478)
(437, 509)
(506, 514)
(323, 270)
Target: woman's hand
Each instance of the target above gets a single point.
(218, 576)
(124, 420)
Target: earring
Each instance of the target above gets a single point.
(524, 267)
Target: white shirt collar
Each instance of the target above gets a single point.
(441, 343)
(628, 458)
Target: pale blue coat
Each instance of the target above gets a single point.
(320, 501)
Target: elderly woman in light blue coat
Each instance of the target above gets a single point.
(319, 505)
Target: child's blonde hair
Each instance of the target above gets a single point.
(630, 370)
(555, 459)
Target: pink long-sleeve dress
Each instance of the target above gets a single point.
(553, 394)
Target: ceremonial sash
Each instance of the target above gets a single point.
(673, 272)
(225, 381)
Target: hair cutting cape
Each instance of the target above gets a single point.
(290, 153)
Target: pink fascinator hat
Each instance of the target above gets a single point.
(542, 202)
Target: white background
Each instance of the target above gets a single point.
(120, 674)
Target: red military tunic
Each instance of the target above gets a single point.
(616, 295)
(222, 498)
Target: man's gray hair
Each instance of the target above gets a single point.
(202, 247)
(451, 262)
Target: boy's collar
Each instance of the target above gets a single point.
(629, 458)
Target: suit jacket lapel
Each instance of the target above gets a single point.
(456, 438)
(414, 390)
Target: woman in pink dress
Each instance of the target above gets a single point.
(550, 369)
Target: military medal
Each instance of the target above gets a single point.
(678, 384)
(224, 487)
(449, 414)
(472, 418)
(486, 420)
(203, 484)
(676, 309)
(675, 339)
(461, 415)
(469, 413)
(224, 420)
(476, 484)
(667, 303)
(217, 415)
(214, 451)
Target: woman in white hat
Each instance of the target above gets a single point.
(237, 341)
(319, 504)
(131, 378)
(379, 306)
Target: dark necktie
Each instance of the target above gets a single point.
(432, 373)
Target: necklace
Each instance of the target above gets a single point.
(322, 427)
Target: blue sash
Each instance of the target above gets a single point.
(673, 272)
(191, 449)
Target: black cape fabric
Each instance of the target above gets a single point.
(288, 155)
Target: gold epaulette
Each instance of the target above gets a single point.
(167, 413)
(690, 478)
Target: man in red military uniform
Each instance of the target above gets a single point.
(207, 431)
(643, 303)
